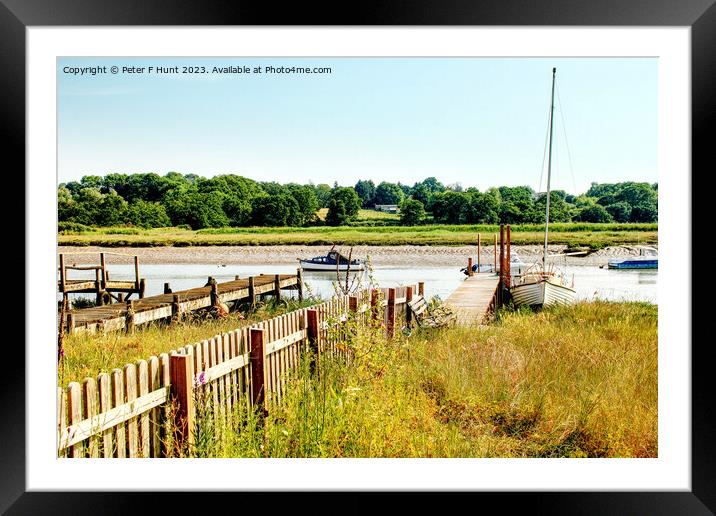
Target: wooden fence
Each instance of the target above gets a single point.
(141, 409)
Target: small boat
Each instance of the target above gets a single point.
(333, 261)
(539, 285)
(647, 259)
(517, 266)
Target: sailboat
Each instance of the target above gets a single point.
(543, 285)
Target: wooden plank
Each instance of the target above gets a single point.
(226, 379)
(165, 382)
(182, 390)
(143, 372)
(90, 410)
(154, 414)
(130, 387)
(118, 399)
(74, 412)
(61, 418)
(257, 368)
(114, 417)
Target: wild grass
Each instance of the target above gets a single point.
(90, 354)
(578, 381)
(594, 236)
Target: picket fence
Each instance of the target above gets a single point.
(126, 413)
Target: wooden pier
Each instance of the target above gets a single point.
(118, 316)
(104, 289)
(475, 298)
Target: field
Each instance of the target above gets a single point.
(594, 236)
(578, 381)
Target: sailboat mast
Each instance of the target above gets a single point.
(549, 172)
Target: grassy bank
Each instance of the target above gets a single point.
(595, 236)
(88, 355)
(579, 381)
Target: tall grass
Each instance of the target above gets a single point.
(578, 381)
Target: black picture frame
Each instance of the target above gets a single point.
(699, 15)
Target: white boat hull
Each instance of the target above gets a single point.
(542, 293)
(308, 266)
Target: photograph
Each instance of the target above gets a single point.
(418, 254)
(357, 257)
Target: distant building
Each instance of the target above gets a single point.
(388, 208)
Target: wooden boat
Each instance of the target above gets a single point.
(331, 262)
(540, 285)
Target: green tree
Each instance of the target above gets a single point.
(113, 210)
(594, 213)
(337, 214)
(388, 193)
(276, 210)
(644, 212)
(412, 212)
(66, 205)
(421, 193)
(483, 209)
(148, 214)
(620, 211)
(351, 201)
(204, 210)
(366, 192)
(323, 194)
(306, 201)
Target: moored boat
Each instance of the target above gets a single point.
(332, 261)
(539, 286)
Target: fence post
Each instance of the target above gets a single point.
(175, 308)
(256, 359)
(252, 291)
(408, 299)
(391, 312)
(478, 252)
(70, 323)
(421, 288)
(313, 335)
(353, 303)
(129, 317)
(299, 283)
(98, 286)
(277, 286)
(104, 271)
(374, 305)
(181, 368)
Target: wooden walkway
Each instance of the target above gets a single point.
(474, 299)
(114, 316)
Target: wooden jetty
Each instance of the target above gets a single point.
(475, 298)
(482, 292)
(118, 316)
(101, 285)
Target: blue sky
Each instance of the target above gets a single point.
(478, 121)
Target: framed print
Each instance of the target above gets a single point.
(394, 92)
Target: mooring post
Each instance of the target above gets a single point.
(469, 265)
(98, 286)
(70, 326)
(391, 312)
(408, 299)
(181, 369)
(256, 359)
(421, 288)
(167, 288)
(502, 261)
(478, 252)
(176, 314)
(237, 277)
(508, 271)
(313, 336)
(494, 254)
(214, 293)
(129, 317)
(62, 273)
(252, 291)
(299, 282)
(104, 270)
(277, 286)
(142, 288)
(136, 272)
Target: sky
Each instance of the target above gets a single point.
(480, 122)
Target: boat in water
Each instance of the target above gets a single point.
(331, 262)
(647, 259)
(542, 285)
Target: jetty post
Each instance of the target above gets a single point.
(478, 252)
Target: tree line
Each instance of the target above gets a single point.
(149, 200)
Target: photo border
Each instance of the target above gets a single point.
(699, 15)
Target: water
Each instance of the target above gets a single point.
(590, 282)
